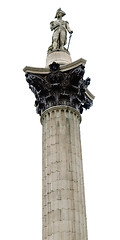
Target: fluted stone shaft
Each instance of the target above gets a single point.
(64, 213)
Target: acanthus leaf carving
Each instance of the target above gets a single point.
(60, 88)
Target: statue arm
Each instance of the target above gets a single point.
(68, 28)
(52, 25)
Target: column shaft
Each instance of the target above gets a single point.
(64, 213)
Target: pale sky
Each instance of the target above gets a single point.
(25, 37)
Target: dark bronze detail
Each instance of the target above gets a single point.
(60, 88)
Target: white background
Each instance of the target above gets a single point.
(24, 38)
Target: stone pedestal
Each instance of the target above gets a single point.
(62, 57)
(64, 215)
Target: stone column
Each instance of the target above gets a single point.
(64, 214)
(61, 96)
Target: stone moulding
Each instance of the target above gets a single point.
(60, 86)
(63, 68)
(61, 108)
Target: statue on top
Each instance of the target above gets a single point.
(60, 28)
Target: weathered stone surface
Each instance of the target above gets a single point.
(64, 214)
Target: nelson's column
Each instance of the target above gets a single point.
(61, 96)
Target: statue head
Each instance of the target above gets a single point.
(60, 11)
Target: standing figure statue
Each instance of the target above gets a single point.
(60, 28)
